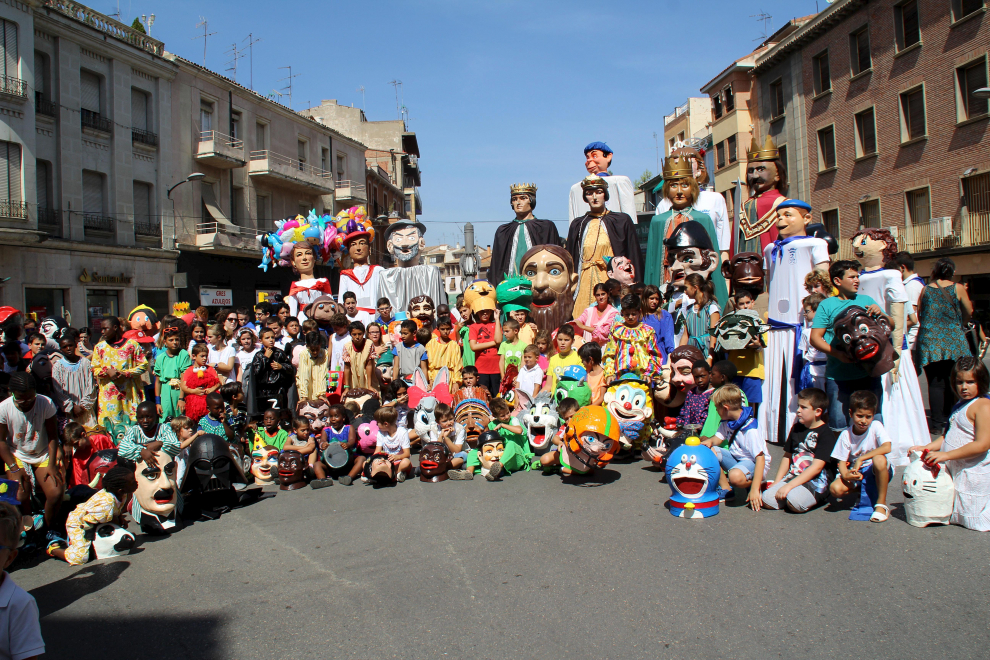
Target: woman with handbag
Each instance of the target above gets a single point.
(943, 312)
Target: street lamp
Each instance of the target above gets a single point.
(195, 176)
(982, 93)
(148, 21)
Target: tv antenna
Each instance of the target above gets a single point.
(766, 18)
(250, 47)
(288, 85)
(397, 85)
(235, 55)
(203, 23)
(361, 89)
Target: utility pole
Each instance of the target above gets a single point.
(289, 84)
(203, 23)
(250, 46)
(397, 85)
(235, 55)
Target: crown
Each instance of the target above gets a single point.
(522, 189)
(594, 181)
(180, 308)
(676, 167)
(768, 152)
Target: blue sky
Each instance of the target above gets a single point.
(497, 92)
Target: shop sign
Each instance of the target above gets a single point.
(268, 295)
(96, 278)
(213, 297)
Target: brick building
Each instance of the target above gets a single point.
(895, 135)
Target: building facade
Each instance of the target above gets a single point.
(688, 120)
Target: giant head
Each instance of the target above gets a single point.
(541, 421)
(736, 330)
(52, 327)
(157, 494)
(592, 438)
(551, 270)
(111, 541)
(421, 308)
(317, 411)
(264, 464)
(490, 450)
(321, 310)
(689, 250)
(874, 247)
(434, 461)
(471, 411)
(695, 155)
(793, 218)
(404, 240)
(764, 169)
(865, 340)
(522, 197)
(514, 293)
(681, 361)
(572, 383)
(928, 493)
(621, 269)
(214, 472)
(692, 473)
(745, 272)
(597, 158)
(291, 470)
(630, 401)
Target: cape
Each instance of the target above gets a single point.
(400, 285)
(621, 234)
(541, 232)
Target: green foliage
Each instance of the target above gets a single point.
(644, 177)
(138, 25)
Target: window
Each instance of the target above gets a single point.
(139, 110)
(976, 195)
(8, 43)
(730, 99)
(782, 154)
(680, 137)
(43, 179)
(45, 302)
(341, 167)
(963, 8)
(717, 106)
(831, 221)
(919, 210)
(776, 99)
(730, 147)
(263, 207)
(145, 224)
(859, 50)
(93, 193)
(866, 133)
(670, 144)
(10, 172)
(720, 154)
(260, 136)
(303, 148)
(869, 214)
(100, 302)
(823, 81)
(89, 92)
(235, 125)
(237, 215)
(41, 75)
(907, 27)
(913, 114)
(969, 78)
(826, 148)
(205, 116)
(324, 159)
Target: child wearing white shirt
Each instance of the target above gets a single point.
(393, 441)
(20, 630)
(744, 457)
(530, 377)
(864, 445)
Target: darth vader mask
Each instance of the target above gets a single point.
(434, 461)
(291, 470)
(865, 340)
(156, 495)
(214, 471)
(737, 330)
(110, 540)
(745, 271)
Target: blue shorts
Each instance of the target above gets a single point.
(461, 455)
(751, 387)
(729, 462)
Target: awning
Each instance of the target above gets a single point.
(212, 207)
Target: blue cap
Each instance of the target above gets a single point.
(601, 146)
(794, 204)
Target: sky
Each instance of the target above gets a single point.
(497, 92)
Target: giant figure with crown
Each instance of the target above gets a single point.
(766, 177)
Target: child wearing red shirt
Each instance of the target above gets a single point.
(198, 381)
(81, 447)
(485, 336)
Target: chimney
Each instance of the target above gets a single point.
(488, 248)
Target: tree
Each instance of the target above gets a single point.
(644, 177)
(138, 25)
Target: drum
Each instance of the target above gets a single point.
(335, 455)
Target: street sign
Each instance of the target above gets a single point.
(213, 297)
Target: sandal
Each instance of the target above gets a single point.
(878, 515)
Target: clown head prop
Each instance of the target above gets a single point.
(551, 270)
(404, 240)
(480, 295)
(591, 439)
(735, 331)
(874, 248)
(541, 422)
(472, 412)
(865, 340)
(793, 218)
(490, 450)
(291, 470)
(692, 473)
(514, 293)
(745, 272)
(597, 158)
(630, 401)
(621, 269)
(928, 493)
(689, 250)
(156, 495)
(379, 470)
(317, 411)
(109, 540)
(572, 382)
(422, 308)
(264, 464)
(434, 461)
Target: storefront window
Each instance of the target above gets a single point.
(44, 302)
(100, 302)
(156, 300)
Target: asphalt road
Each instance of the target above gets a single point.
(525, 568)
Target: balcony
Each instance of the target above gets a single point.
(108, 26)
(43, 106)
(219, 150)
(278, 170)
(13, 88)
(98, 224)
(13, 210)
(349, 191)
(224, 237)
(144, 137)
(96, 121)
(147, 227)
(50, 221)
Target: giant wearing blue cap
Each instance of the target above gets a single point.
(598, 160)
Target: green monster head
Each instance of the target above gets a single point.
(573, 382)
(514, 293)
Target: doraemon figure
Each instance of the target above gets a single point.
(573, 382)
(928, 493)
(692, 473)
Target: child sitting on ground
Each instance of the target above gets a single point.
(530, 376)
(302, 441)
(722, 372)
(270, 433)
(214, 422)
(338, 430)
(19, 618)
(694, 412)
(394, 442)
(745, 458)
(566, 409)
(80, 447)
(565, 357)
(454, 437)
(233, 398)
(518, 457)
(106, 506)
(591, 359)
(632, 346)
(749, 360)
(863, 446)
(186, 431)
(802, 478)
(147, 437)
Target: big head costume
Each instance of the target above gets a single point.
(515, 238)
(766, 177)
(408, 279)
(598, 160)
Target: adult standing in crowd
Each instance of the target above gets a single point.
(944, 309)
(117, 365)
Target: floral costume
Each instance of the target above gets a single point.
(100, 508)
(119, 398)
(631, 349)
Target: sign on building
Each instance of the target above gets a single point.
(213, 297)
(268, 295)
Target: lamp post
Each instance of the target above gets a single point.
(195, 176)
(982, 93)
(148, 21)
(469, 260)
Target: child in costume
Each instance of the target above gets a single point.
(106, 506)
(745, 457)
(80, 446)
(442, 352)
(172, 362)
(72, 378)
(863, 446)
(632, 346)
(198, 380)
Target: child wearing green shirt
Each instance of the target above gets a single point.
(169, 367)
(511, 349)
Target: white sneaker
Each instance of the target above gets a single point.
(401, 477)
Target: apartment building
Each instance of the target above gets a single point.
(688, 120)
(84, 113)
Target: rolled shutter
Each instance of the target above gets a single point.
(139, 110)
(10, 176)
(9, 49)
(4, 172)
(40, 79)
(142, 202)
(92, 193)
(42, 184)
(89, 92)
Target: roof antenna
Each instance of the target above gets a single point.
(251, 42)
(206, 34)
(397, 85)
(766, 18)
(235, 55)
(289, 84)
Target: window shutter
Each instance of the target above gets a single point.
(42, 184)
(9, 49)
(4, 172)
(139, 110)
(142, 202)
(10, 171)
(40, 75)
(92, 193)
(89, 92)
